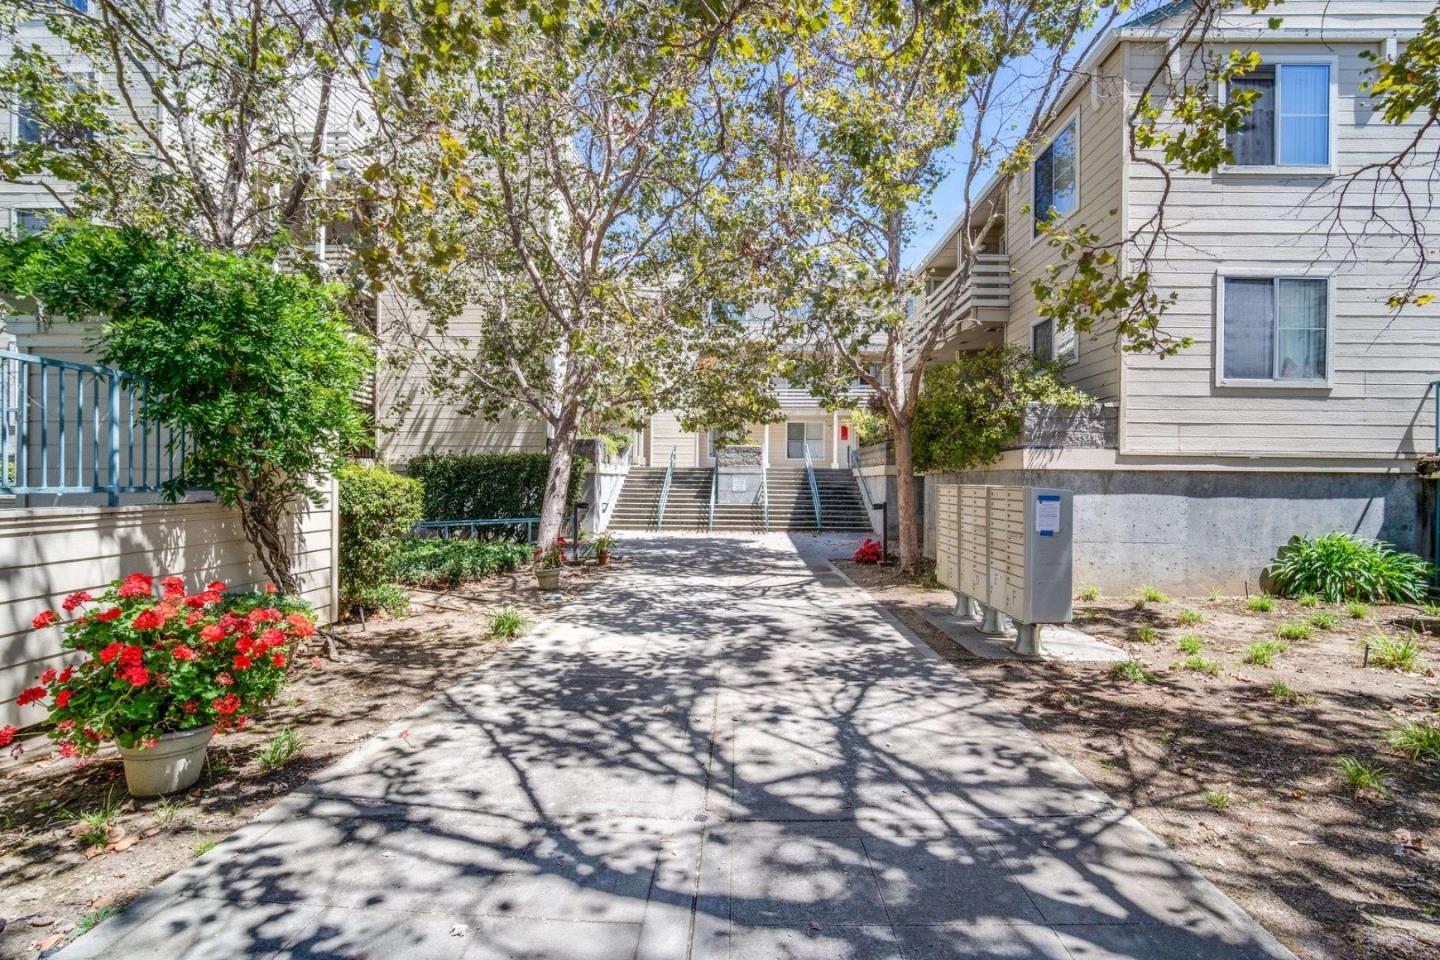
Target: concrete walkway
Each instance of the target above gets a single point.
(724, 751)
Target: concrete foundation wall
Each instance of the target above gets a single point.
(1192, 532)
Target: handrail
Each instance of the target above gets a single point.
(445, 527)
(56, 439)
(764, 502)
(814, 488)
(665, 492)
(714, 488)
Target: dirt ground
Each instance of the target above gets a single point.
(1242, 784)
(51, 890)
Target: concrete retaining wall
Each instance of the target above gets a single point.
(1190, 532)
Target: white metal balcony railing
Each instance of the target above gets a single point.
(962, 293)
(858, 394)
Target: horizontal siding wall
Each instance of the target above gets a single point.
(1382, 361)
(1101, 124)
(1334, 15)
(46, 554)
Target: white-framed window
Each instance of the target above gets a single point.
(32, 221)
(1274, 330)
(29, 128)
(1055, 177)
(1046, 343)
(1291, 123)
(802, 435)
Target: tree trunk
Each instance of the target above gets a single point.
(905, 495)
(264, 520)
(557, 480)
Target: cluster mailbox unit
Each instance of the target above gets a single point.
(1007, 549)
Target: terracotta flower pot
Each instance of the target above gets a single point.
(602, 557)
(174, 763)
(548, 578)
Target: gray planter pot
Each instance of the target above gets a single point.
(548, 578)
(174, 763)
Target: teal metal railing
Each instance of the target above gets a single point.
(74, 428)
(814, 487)
(714, 489)
(446, 529)
(665, 492)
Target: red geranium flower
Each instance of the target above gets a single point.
(173, 587)
(225, 680)
(48, 675)
(272, 638)
(43, 619)
(30, 695)
(132, 656)
(270, 588)
(227, 704)
(138, 676)
(7, 735)
(66, 674)
(75, 599)
(278, 659)
(137, 585)
(243, 662)
(190, 706)
(67, 749)
(148, 620)
(183, 652)
(62, 698)
(302, 624)
(212, 633)
(105, 616)
(216, 585)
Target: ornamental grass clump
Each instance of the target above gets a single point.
(156, 665)
(1339, 567)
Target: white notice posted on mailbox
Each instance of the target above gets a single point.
(1047, 514)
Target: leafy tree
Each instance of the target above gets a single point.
(255, 366)
(972, 406)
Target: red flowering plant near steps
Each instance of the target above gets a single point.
(869, 552)
(157, 664)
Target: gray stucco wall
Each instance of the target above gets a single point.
(1188, 533)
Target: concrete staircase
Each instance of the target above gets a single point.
(791, 506)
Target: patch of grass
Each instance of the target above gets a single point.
(507, 622)
(88, 921)
(280, 749)
(1416, 740)
(1131, 670)
(1214, 594)
(1262, 653)
(1145, 633)
(168, 811)
(1309, 600)
(1294, 630)
(1198, 664)
(1188, 617)
(1088, 594)
(1189, 643)
(1364, 780)
(1323, 621)
(204, 846)
(93, 827)
(1284, 693)
(1150, 595)
(1217, 799)
(1260, 604)
(1430, 610)
(1389, 652)
(1357, 610)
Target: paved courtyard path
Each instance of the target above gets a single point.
(721, 751)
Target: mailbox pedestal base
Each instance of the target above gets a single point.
(1027, 639)
(991, 620)
(964, 607)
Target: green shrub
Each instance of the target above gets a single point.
(1357, 610)
(1338, 567)
(1293, 631)
(484, 486)
(1189, 643)
(387, 598)
(1417, 740)
(1323, 621)
(448, 563)
(1262, 653)
(1260, 604)
(377, 510)
(1393, 653)
(1132, 670)
(1189, 617)
(1364, 779)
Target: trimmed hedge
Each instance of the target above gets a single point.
(484, 486)
(446, 563)
(377, 510)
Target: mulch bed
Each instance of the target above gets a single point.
(52, 890)
(1242, 784)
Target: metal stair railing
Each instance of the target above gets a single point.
(764, 502)
(665, 492)
(814, 488)
(714, 488)
(865, 497)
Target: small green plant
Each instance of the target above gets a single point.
(1217, 799)
(280, 749)
(1145, 633)
(1260, 604)
(204, 846)
(1089, 594)
(1323, 621)
(1430, 610)
(1131, 670)
(1364, 780)
(1357, 610)
(1416, 740)
(1150, 595)
(1338, 566)
(1189, 617)
(1214, 594)
(1294, 630)
(1390, 652)
(1284, 693)
(1189, 643)
(1309, 600)
(93, 827)
(1262, 653)
(168, 811)
(392, 600)
(88, 921)
(507, 622)
(1198, 664)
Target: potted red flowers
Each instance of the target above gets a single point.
(869, 552)
(548, 564)
(162, 674)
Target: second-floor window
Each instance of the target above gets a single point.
(1055, 178)
(1048, 344)
(1289, 123)
(31, 128)
(1275, 328)
(29, 222)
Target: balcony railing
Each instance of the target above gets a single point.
(72, 428)
(963, 293)
(857, 396)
